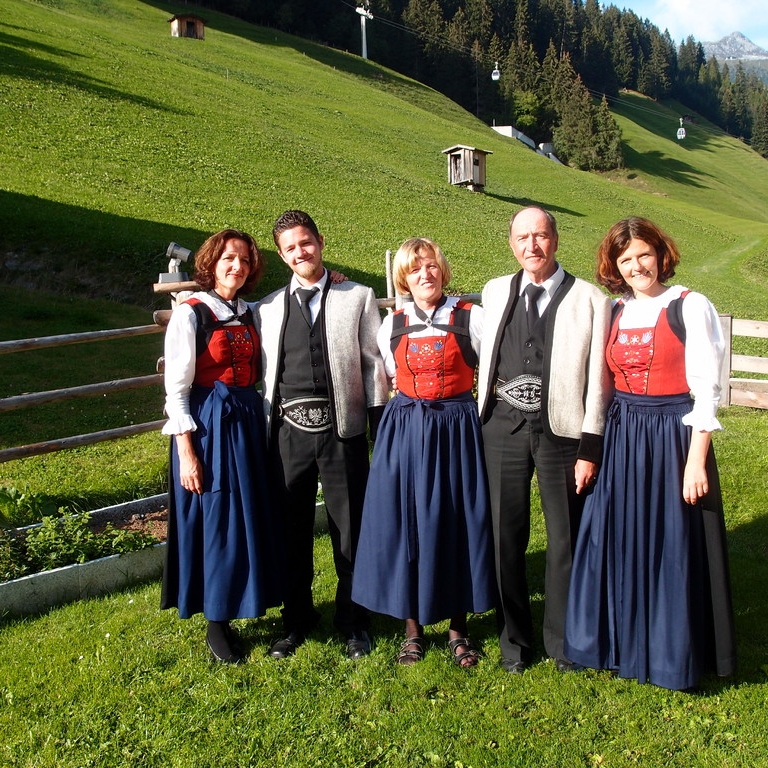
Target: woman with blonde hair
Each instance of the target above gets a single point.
(425, 552)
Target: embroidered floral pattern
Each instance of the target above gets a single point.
(309, 414)
(632, 352)
(426, 360)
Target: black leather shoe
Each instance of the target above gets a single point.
(287, 646)
(563, 665)
(223, 643)
(513, 667)
(358, 644)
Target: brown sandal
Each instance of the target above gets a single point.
(466, 658)
(411, 651)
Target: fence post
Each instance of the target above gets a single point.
(726, 321)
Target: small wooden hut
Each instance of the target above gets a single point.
(187, 25)
(466, 166)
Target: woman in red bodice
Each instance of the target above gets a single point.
(223, 554)
(650, 592)
(425, 551)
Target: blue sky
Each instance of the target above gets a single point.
(706, 20)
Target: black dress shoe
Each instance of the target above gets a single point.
(513, 667)
(563, 665)
(287, 646)
(358, 644)
(223, 643)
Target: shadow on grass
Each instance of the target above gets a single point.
(71, 250)
(748, 548)
(19, 60)
(334, 58)
(658, 164)
(526, 202)
(75, 251)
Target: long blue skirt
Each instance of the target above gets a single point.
(650, 588)
(425, 550)
(224, 554)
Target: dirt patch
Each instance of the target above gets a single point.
(152, 523)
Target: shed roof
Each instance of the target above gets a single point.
(464, 146)
(181, 16)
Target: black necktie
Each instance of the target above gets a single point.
(306, 294)
(532, 313)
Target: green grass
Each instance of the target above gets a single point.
(118, 138)
(116, 682)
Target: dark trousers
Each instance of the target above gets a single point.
(510, 461)
(342, 466)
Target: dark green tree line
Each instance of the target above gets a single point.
(545, 49)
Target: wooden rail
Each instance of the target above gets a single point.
(738, 391)
(735, 391)
(71, 393)
(21, 345)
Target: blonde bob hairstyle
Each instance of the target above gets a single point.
(408, 256)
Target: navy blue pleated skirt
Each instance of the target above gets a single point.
(650, 589)
(425, 550)
(224, 555)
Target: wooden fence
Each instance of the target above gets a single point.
(735, 391)
(750, 392)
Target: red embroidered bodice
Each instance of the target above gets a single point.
(232, 355)
(647, 361)
(432, 367)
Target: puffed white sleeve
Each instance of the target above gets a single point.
(180, 359)
(382, 339)
(476, 322)
(704, 350)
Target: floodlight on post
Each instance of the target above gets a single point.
(176, 254)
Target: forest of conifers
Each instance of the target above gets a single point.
(560, 63)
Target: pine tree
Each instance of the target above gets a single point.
(623, 58)
(742, 118)
(574, 136)
(608, 139)
(727, 105)
(760, 126)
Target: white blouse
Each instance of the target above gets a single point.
(442, 315)
(181, 358)
(704, 348)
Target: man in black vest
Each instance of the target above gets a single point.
(324, 381)
(542, 392)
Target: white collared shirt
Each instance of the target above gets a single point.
(550, 286)
(314, 304)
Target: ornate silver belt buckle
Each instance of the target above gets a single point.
(522, 392)
(310, 414)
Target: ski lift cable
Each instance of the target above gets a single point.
(646, 110)
(440, 39)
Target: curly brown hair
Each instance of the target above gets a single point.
(617, 240)
(210, 252)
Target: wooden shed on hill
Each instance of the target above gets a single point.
(187, 25)
(466, 166)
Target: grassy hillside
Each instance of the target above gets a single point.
(118, 138)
